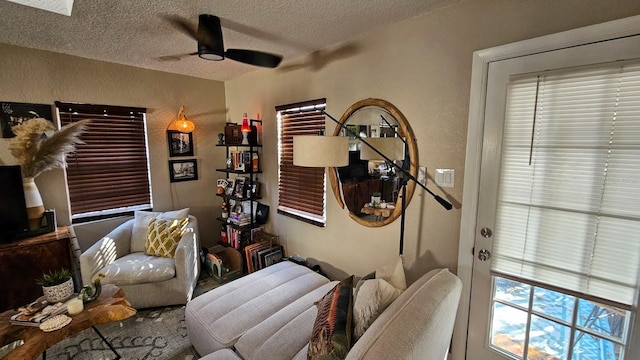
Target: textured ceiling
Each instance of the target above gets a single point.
(135, 32)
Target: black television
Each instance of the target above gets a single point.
(14, 222)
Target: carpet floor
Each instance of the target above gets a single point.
(157, 333)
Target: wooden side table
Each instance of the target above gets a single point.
(24, 261)
(109, 307)
(378, 212)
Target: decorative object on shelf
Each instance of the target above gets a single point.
(56, 285)
(38, 148)
(220, 139)
(245, 129)
(232, 134)
(88, 294)
(221, 186)
(225, 210)
(180, 143)
(181, 123)
(183, 170)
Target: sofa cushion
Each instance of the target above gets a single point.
(331, 334)
(141, 225)
(373, 298)
(163, 237)
(417, 325)
(285, 334)
(217, 319)
(139, 268)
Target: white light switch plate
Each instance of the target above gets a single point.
(445, 177)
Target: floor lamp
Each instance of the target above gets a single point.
(331, 151)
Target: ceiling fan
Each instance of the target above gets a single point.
(211, 43)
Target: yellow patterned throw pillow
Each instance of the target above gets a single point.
(163, 236)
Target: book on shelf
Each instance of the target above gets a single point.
(38, 311)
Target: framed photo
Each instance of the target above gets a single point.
(183, 170)
(239, 187)
(12, 114)
(180, 144)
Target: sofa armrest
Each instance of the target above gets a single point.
(187, 258)
(112, 246)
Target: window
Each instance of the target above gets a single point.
(109, 173)
(566, 259)
(301, 190)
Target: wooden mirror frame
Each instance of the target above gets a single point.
(412, 147)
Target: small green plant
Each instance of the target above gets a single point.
(55, 277)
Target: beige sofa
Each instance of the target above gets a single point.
(270, 314)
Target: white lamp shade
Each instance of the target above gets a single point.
(391, 147)
(320, 151)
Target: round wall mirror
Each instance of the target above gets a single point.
(369, 186)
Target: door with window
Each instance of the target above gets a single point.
(557, 248)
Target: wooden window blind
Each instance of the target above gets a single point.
(109, 173)
(301, 190)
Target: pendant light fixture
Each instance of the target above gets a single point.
(181, 123)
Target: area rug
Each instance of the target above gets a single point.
(158, 333)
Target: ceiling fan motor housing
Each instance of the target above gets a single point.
(210, 43)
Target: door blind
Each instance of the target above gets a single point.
(568, 212)
(301, 190)
(109, 172)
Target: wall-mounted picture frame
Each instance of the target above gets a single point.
(13, 113)
(183, 170)
(180, 143)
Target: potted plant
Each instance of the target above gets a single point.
(57, 285)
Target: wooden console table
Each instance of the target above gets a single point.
(110, 306)
(24, 261)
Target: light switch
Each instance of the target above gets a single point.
(445, 177)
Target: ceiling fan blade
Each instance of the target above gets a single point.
(183, 25)
(253, 57)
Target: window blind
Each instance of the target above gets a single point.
(109, 173)
(568, 212)
(301, 190)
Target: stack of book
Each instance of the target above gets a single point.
(240, 219)
(37, 312)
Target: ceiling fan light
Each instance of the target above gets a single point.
(210, 42)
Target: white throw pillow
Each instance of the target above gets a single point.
(374, 296)
(142, 221)
(393, 273)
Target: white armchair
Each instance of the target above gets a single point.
(148, 281)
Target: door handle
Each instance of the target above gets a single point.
(484, 254)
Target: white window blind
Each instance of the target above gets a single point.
(568, 212)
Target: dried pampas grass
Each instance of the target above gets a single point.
(37, 152)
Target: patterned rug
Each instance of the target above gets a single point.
(157, 333)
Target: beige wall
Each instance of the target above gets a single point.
(34, 76)
(423, 66)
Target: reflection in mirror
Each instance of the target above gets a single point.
(369, 186)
